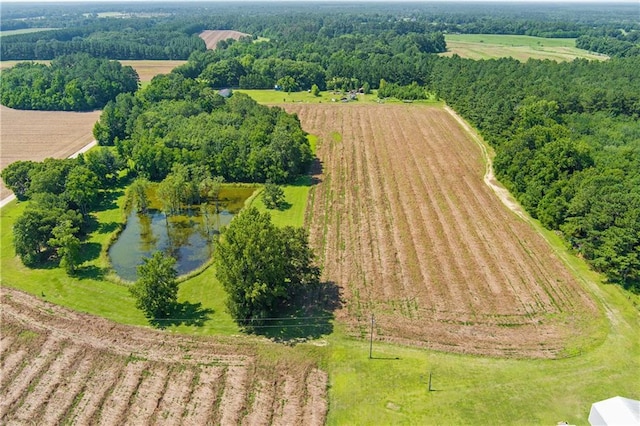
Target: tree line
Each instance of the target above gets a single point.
(71, 83)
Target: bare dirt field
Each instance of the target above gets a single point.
(212, 37)
(403, 222)
(148, 69)
(36, 135)
(64, 367)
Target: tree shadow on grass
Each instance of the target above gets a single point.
(89, 251)
(108, 201)
(284, 205)
(90, 272)
(315, 172)
(185, 313)
(308, 315)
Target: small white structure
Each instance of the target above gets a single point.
(615, 411)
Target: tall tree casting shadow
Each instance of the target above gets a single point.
(185, 313)
(308, 315)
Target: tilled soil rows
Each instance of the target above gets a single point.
(60, 366)
(36, 135)
(404, 223)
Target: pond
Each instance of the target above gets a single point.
(186, 236)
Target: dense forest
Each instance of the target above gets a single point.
(566, 135)
(76, 82)
(169, 31)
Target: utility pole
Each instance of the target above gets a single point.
(430, 381)
(371, 338)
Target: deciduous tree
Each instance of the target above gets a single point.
(156, 290)
(261, 266)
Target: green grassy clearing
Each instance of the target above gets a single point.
(295, 198)
(268, 96)
(488, 46)
(384, 390)
(24, 31)
(296, 203)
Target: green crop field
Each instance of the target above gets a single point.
(488, 46)
(24, 31)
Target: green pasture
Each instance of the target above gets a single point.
(269, 96)
(273, 97)
(24, 31)
(521, 47)
(391, 388)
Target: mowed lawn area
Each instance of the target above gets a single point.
(488, 46)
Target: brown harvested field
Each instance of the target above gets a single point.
(64, 367)
(36, 135)
(404, 223)
(212, 37)
(148, 69)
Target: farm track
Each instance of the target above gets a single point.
(60, 366)
(404, 223)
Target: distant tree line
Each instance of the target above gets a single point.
(107, 38)
(71, 83)
(611, 46)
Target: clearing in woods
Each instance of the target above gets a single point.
(403, 222)
(99, 372)
(212, 37)
(520, 47)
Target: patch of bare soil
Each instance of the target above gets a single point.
(60, 366)
(212, 37)
(406, 223)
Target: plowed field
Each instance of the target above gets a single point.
(60, 366)
(36, 135)
(212, 37)
(404, 223)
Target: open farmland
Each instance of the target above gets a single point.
(98, 372)
(36, 135)
(520, 47)
(148, 69)
(212, 37)
(404, 224)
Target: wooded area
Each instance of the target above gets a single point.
(75, 82)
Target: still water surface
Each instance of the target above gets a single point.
(187, 237)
